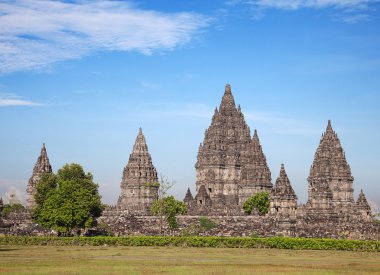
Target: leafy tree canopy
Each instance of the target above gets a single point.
(260, 201)
(169, 207)
(11, 207)
(68, 200)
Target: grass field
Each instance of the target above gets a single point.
(175, 260)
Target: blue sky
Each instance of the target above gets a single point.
(83, 76)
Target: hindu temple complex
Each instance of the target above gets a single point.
(231, 167)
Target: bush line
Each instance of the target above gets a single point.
(220, 242)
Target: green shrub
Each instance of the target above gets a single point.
(170, 208)
(227, 242)
(8, 208)
(191, 230)
(207, 224)
(254, 234)
(260, 201)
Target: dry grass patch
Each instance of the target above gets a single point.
(175, 260)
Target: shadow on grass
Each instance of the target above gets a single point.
(7, 249)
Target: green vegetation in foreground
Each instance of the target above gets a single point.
(259, 201)
(68, 201)
(182, 260)
(11, 207)
(218, 242)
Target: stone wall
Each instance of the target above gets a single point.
(123, 223)
(310, 226)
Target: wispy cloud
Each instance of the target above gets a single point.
(332, 64)
(281, 123)
(34, 33)
(176, 110)
(349, 11)
(147, 85)
(8, 99)
(14, 195)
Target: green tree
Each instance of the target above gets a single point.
(47, 183)
(11, 207)
(260, 201)
(163, 187)
(67, 201)
(170, 208)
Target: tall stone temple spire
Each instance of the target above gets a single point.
(255, 173)
(42, 166)
(330, 171)
(139, 185)
(225, 151)
(283, 197)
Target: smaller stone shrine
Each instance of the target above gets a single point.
(139, 185)
(283, 198)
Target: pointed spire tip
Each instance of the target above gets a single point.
(228, 88)
(329, 127)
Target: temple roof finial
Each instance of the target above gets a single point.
(140, 143)
(329, 127)
(227, 106)
(228, 88)
(282, 171)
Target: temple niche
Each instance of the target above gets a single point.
(139, 185)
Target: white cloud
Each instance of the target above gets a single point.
(147, 85)
(281, 123)
(14, 195)
(14, 100)
(35, 33)
(374, 206)
(297, 4)
(349, 11)
(175, 111)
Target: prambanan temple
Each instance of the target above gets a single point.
(231, 167)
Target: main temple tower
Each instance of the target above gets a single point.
(230, 165)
